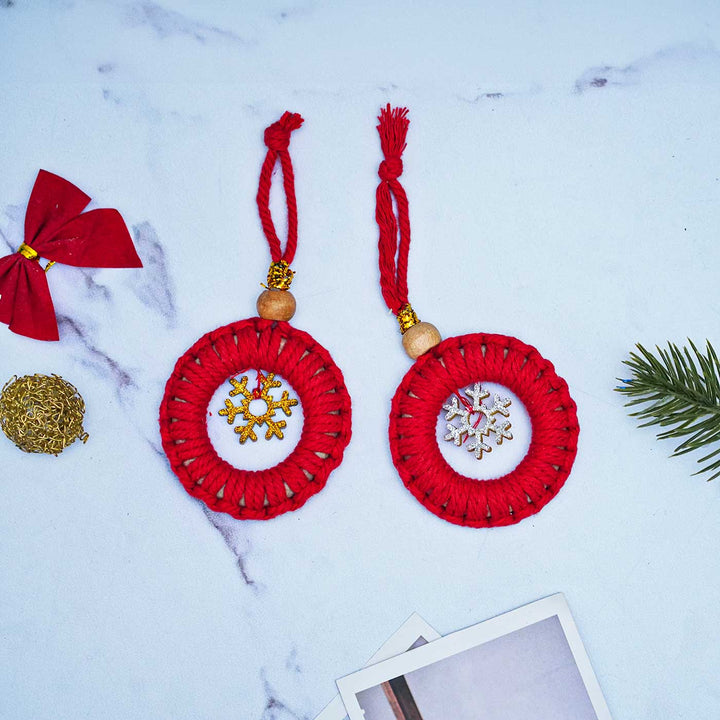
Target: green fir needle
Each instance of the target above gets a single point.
(679, 390)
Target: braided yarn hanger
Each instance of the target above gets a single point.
(269, 346)
(448, 374)
(277, 140)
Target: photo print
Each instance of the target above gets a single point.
(413, 633)
(528, 663)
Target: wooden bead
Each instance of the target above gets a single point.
(276, 305)
(419, 338)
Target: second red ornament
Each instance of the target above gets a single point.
(448, 379)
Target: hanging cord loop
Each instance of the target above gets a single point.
(393, 129)
(394, 240)
(277, 139)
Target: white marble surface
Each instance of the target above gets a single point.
(563, 174)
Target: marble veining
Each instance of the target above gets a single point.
(238, 545)
(166, 22)
(100, 362)
(155, 288)
(668, 61)
(276, 709)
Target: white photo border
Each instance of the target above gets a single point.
(457, 642)
(414, 628)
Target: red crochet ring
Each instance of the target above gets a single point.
(454, 364)
(224, 353)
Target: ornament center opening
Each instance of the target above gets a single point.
(483, 431)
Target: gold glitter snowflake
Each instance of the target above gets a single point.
(262, 392)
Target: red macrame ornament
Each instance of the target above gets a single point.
(55, 230)
(443, 368)
(266, 344)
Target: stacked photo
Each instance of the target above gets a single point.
(527, 663)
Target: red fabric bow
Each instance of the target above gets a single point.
(55, 230)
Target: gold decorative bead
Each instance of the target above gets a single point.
(407, 318)
(419, 338)
(280, 276)
(276, 305)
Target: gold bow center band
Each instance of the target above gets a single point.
(31, 254)
(28, 252)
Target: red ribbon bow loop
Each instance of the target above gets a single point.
(56, 229)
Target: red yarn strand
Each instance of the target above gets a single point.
(393, 127)
(277, 140)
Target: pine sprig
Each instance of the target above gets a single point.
(681, 391)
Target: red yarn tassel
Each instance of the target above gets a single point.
(277, 139)
(393, 129)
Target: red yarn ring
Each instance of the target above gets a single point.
(224, 353)
(454, 364)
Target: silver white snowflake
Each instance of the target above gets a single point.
(475, 430)
(500, 405)
(477, 444)
(457, 434)
(454, 409)
(478, 395)
(502, 432)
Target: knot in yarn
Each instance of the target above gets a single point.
(390, 169)
(277, 135)
(277, 138)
